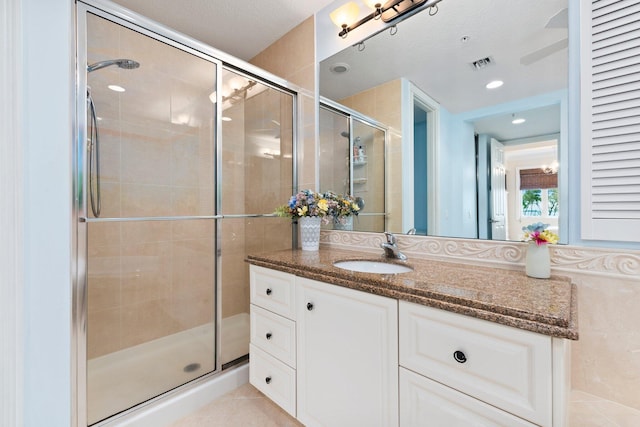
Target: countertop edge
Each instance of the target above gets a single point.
(569, 332)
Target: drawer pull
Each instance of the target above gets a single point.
(267, 380)
(459, 356)
(269, 291)
(309, 306)
(268, 335)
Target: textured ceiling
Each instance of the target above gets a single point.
(242, 28)
(518, 35)
(429, 51)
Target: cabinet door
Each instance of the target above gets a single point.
(503, 366)
(347, 369)
(426, 403)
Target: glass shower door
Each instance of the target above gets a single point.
(150, 216)
(255, 175)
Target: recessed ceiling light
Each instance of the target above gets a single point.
(339, 68)
(518, 121)
(116, 88)
(494, 84)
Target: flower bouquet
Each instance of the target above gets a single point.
(538, 260)
(341, 208)
(306, 203)
(308, 208)
(539, 233)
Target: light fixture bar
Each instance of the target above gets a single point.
(389, 12)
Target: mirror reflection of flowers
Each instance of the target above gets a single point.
(305, 203)
(539, 233)
(341, 207)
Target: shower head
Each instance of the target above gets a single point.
(344, 134)
(127, 64)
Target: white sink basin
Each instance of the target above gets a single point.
(373, 267)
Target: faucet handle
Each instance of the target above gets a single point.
(391, 239)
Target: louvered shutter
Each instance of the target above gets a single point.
(610, 119)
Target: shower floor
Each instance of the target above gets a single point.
(119, 380)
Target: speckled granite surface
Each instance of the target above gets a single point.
(546, 306)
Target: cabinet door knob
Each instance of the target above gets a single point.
(459, 356)
(268, 291)
(268, 335)
(309, 306)
(267, 380)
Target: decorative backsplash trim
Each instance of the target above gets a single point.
(498, 253)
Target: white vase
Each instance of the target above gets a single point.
(345, 224)
(538, 261)
(309, 232)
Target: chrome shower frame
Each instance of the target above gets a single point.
(129, 19)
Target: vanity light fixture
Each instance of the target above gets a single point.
(376, 5)
(494, 84)
(389, 11)
(518, 120)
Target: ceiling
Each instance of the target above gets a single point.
(242, 28)
(426, 49)
(430, 51)
(526, 42)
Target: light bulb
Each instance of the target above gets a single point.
(345, 14)
(373, 4)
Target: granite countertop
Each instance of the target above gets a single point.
(545, 306)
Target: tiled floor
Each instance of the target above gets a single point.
(247, 407)
(587, 410)
(243, 407)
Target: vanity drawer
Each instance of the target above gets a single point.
(426, 403)
(274, 334)
(503, 366)
(273, 290)
(273, 378)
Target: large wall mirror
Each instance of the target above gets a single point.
(463, 159)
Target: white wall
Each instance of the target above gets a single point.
(457, 180)
(47, 113)
(11, 272)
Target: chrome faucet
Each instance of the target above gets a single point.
(391, 248)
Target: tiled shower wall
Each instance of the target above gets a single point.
(383, 103)
(151, 278)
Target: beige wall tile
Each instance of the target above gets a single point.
(606, 358)
(103, 331)
(146, 321)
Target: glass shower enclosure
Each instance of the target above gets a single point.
(352, 153)
(179, 160)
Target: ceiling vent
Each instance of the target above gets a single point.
(481, 63)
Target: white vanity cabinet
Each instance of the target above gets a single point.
(273, 336)
(347, 357)
(326, 354)
(489, 371)
(333, 356)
